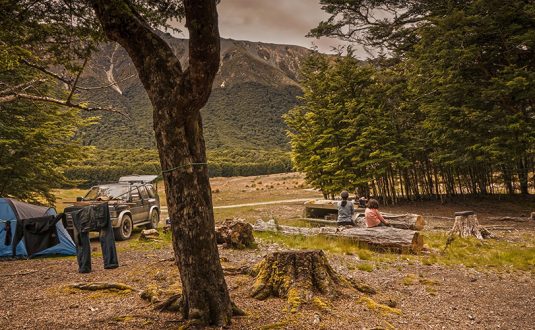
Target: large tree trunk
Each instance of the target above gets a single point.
(177, 97)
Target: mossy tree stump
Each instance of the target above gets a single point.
(295, 275)
(466, 225)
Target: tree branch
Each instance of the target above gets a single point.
(123, 24)
(66, 103)
(66, 80)
(204, 46)
(73, 87)
(23, 86)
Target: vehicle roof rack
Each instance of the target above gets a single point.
(138, 178)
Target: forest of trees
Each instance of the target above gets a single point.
(446, 108)
(107, 165)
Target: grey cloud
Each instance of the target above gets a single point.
(276, 21)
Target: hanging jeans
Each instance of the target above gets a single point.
(88, 219)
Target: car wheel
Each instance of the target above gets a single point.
(154, 219)
(124, 231)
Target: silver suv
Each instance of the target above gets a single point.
(133, 201)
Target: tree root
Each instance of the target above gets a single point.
(361, 287)
(243, 270)
(175, 302)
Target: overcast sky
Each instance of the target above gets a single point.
(275, 21)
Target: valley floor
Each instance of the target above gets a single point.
(472, 285)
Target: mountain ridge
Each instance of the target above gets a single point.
(255, 85)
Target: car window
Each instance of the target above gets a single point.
(134, 194)
(150, 190)
(106, 192)
(143, 192)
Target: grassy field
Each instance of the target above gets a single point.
(511, 250)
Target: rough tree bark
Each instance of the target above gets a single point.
(177, 96)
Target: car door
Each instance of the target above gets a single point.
(136, 205)
(146, 204)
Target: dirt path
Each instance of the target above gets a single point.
(284, 201)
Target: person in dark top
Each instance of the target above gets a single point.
(345, 210)
(362, 202)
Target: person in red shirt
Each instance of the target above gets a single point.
(372, 215)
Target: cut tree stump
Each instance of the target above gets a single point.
(466, 225)
(235, 233)
(378, 238)
(297, 276)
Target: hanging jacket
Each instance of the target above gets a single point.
(91, 218)
(38, 233)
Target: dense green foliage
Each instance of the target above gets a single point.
(451, 112)
(37, 140)
(36, 144)
(107, 165)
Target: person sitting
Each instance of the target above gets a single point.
(372, 215)
(345, 210)
(362, 202)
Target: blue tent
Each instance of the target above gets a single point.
(12, 210)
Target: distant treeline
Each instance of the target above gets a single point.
(107, 165)
(451, 113)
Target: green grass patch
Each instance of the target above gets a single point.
(313, 243)
(164, 241)
(409, 279)
(375, 306)
(366, 267)
(472, 252)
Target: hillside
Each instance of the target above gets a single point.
(255, 85)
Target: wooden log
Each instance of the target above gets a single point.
(403, 221)
(378, 238)
(95, 286)
(400, 221)
(149, 235)
(235, 233)
(513, 219)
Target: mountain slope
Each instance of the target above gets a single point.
(256, 84)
